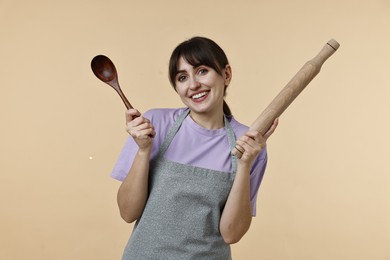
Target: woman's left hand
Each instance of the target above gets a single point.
(253, 142)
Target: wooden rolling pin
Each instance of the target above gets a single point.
(293, 88)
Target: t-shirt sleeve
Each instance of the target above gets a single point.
(125, 160)
(161, 120)
(257, 173)
(127, 155)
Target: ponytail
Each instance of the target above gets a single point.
(226, 109)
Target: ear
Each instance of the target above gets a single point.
(227, 74)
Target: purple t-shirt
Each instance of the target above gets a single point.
(192, 145)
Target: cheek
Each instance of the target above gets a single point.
(221, 85)
(180, 90)
(218, 81)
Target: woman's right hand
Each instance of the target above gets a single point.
(140, 129)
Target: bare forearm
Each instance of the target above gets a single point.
(133, 192)
(237, 214)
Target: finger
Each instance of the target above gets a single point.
(248, 152)
(254, 139)
(145, 134)
(141, 134)
(276, 122)
(239, 148)
(248, 145)
(254, 135)
(134, 124)
(131, 114)
(143, 123)
(271, 130)
(248, 138)
(140, 126)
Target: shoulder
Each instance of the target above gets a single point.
(162, 119)
(239, 130)
(163, 115)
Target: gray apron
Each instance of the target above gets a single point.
(182, 214)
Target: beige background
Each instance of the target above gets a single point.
(326, 193)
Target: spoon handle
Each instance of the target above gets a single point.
(124, 99)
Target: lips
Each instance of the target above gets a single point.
(199, 96)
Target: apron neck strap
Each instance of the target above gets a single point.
(176, 126)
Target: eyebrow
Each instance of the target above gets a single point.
(180, 71)
(195, 67)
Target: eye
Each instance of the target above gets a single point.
(181, 78)
(203, 71)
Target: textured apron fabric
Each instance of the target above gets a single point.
(182, 214)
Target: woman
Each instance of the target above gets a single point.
(189, 196)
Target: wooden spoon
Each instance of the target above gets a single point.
(104, 69)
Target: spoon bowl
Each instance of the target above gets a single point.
(104, 69)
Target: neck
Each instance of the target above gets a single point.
(211, 122)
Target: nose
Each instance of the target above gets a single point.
(194, 83)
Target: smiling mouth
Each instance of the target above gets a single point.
(199, 95)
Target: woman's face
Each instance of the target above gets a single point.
(201, 88)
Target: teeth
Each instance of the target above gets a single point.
(199, 95)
